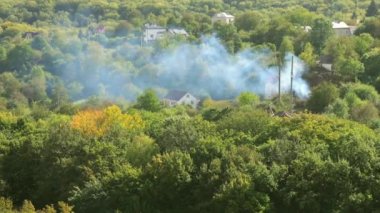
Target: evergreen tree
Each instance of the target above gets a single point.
(372, 9)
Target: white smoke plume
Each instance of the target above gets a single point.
(209, 69)
(204, 69)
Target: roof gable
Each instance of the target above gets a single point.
(175, 95)
(223, 15)
(339, 25)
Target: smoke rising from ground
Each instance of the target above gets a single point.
(208, 69)
(204, 69)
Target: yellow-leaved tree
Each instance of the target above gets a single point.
(97, 123)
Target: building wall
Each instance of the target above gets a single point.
(343, 31)
(190, 100)
(153, 34)
(222, 19)
(169, 103)
(187, 99)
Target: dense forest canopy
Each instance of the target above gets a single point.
(84, 126)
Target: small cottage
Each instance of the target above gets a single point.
(223, 17)
(342, 29)
(152, 32)
(174, 98)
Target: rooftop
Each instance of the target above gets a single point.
(223, 15)
(175, 95)
(153, 26)
(338, 25)
(178, 32)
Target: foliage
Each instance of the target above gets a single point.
(349, 69)
(148, 101)
(317, 155)
(248, 98)
(339, 108)
(308, 55)
(372, 9)
(321, 96)
(65, 146)
(365, 113)
(97, 123)
(321, 31)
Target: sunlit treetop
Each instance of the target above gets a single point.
(97, 123)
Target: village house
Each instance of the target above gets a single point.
(223, 17)
(339, 28)
(153, 32)
(174, 98)
(342, 29)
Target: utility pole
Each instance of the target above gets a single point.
(142, 36)
(279, 75)
(291, 81)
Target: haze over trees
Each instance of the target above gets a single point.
(83, 127)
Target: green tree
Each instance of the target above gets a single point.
(308, 55)
(371, 26)
(372, 9)
(349, 69)
(59, 96)
(246, 125)
(363, 43)
(228, 34)
(371, 62)
(248, 21)
(339, 108)
(10, 88)
(322, 96)
(27, 207)
(182, 133)
(140, 150)
(35, 90)
(21, 59)
(286, 47)
(321, 31)
(148, 101)
(314, 159)
(3, 54)
(364, 113)
(168, 181)
(364, 92)
(248, 98)
(119, 190)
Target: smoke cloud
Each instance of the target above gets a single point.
(209, 69)
(204, 69)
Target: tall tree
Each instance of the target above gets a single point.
(308, 55)
(59, 95)
(285, 48)
(321, 31)
(372, 9)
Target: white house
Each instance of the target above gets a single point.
(153, 32)
(342, 29)
(174, 98)
(223, 17)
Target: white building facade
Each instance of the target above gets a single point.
(153, 32)
(223, 18)
(174, 98)
(342, 29)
